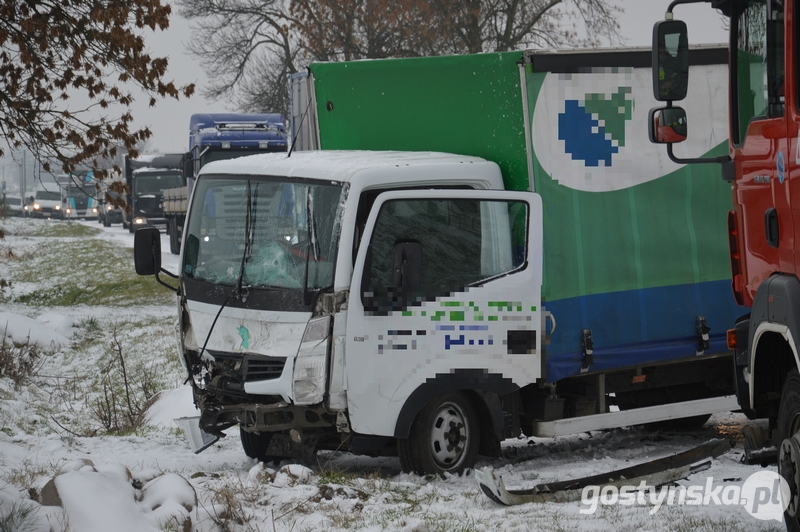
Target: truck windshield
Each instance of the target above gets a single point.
(47, 195)
(292, 232)
(222, 155)
(155, 183)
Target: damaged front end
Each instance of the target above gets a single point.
(255, 336)
(283, 396)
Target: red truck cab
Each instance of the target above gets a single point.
(763, 167)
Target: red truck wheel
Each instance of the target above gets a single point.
(789, 462)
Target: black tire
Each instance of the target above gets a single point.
(255, 445)
(131, 229)
(444, 437)
(788, 423)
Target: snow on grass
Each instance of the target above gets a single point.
(62, 278)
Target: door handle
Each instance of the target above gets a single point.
(771, 227)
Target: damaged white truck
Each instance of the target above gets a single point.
(380, 292)
(555, 277)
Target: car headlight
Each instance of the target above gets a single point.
(109, 207)
(139, 221)
(94, 209)
(310, 365)
(58, 208)
(36, 206)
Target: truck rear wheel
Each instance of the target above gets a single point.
(444, 437)
(256, 445)
(789, 462)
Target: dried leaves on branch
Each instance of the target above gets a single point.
(66, 69)
(250, 47)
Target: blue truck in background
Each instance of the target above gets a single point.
(214, 137)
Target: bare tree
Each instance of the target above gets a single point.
(250, 47)
(357, 29)
(244, 44)
(54, 53)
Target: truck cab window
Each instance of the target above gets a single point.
(423, 249)
(759, 64)
(267, 238)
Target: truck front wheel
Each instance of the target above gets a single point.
(789, 454)
(256, 445)
(444, 437)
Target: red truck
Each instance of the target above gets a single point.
(763, 167)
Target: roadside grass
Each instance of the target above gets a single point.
(122, 351)
(55, 229)
(67, 267)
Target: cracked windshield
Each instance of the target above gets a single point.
(288, 240)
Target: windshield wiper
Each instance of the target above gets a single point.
(237, 290)
(248, 239)
(312, 242)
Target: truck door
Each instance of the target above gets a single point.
(449, 281)
(759, 135)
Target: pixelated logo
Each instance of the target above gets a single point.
(593, 129)
(589, 129)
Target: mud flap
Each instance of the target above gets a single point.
(656, 473)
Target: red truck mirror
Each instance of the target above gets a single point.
(670, 60)
(667, 125)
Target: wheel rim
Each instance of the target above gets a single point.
(789, 466)
(449, 439)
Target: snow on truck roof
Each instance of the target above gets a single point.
(337, 165)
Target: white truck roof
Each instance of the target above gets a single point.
(349, 166)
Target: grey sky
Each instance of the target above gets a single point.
(169, 120)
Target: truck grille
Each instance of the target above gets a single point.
(249, 368)
(263, 368)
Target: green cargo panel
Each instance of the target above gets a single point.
(468, 104)
(635, 246)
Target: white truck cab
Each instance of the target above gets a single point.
(351, 300)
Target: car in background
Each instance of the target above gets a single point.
(107, 212)
(11, 205)
(45, 203)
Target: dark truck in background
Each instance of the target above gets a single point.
(147, 176)
(215, 137)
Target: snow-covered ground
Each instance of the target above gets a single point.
(119, 462)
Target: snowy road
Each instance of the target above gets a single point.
(53, 418)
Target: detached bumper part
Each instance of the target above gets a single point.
(199, 440)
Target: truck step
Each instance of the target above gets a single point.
(637, 416)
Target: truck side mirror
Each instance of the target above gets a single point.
(670, 60)
(187, 165)
(667, 125)
(147, 250)
(196, 156)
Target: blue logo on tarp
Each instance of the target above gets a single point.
(594, 129)
(780, 167)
